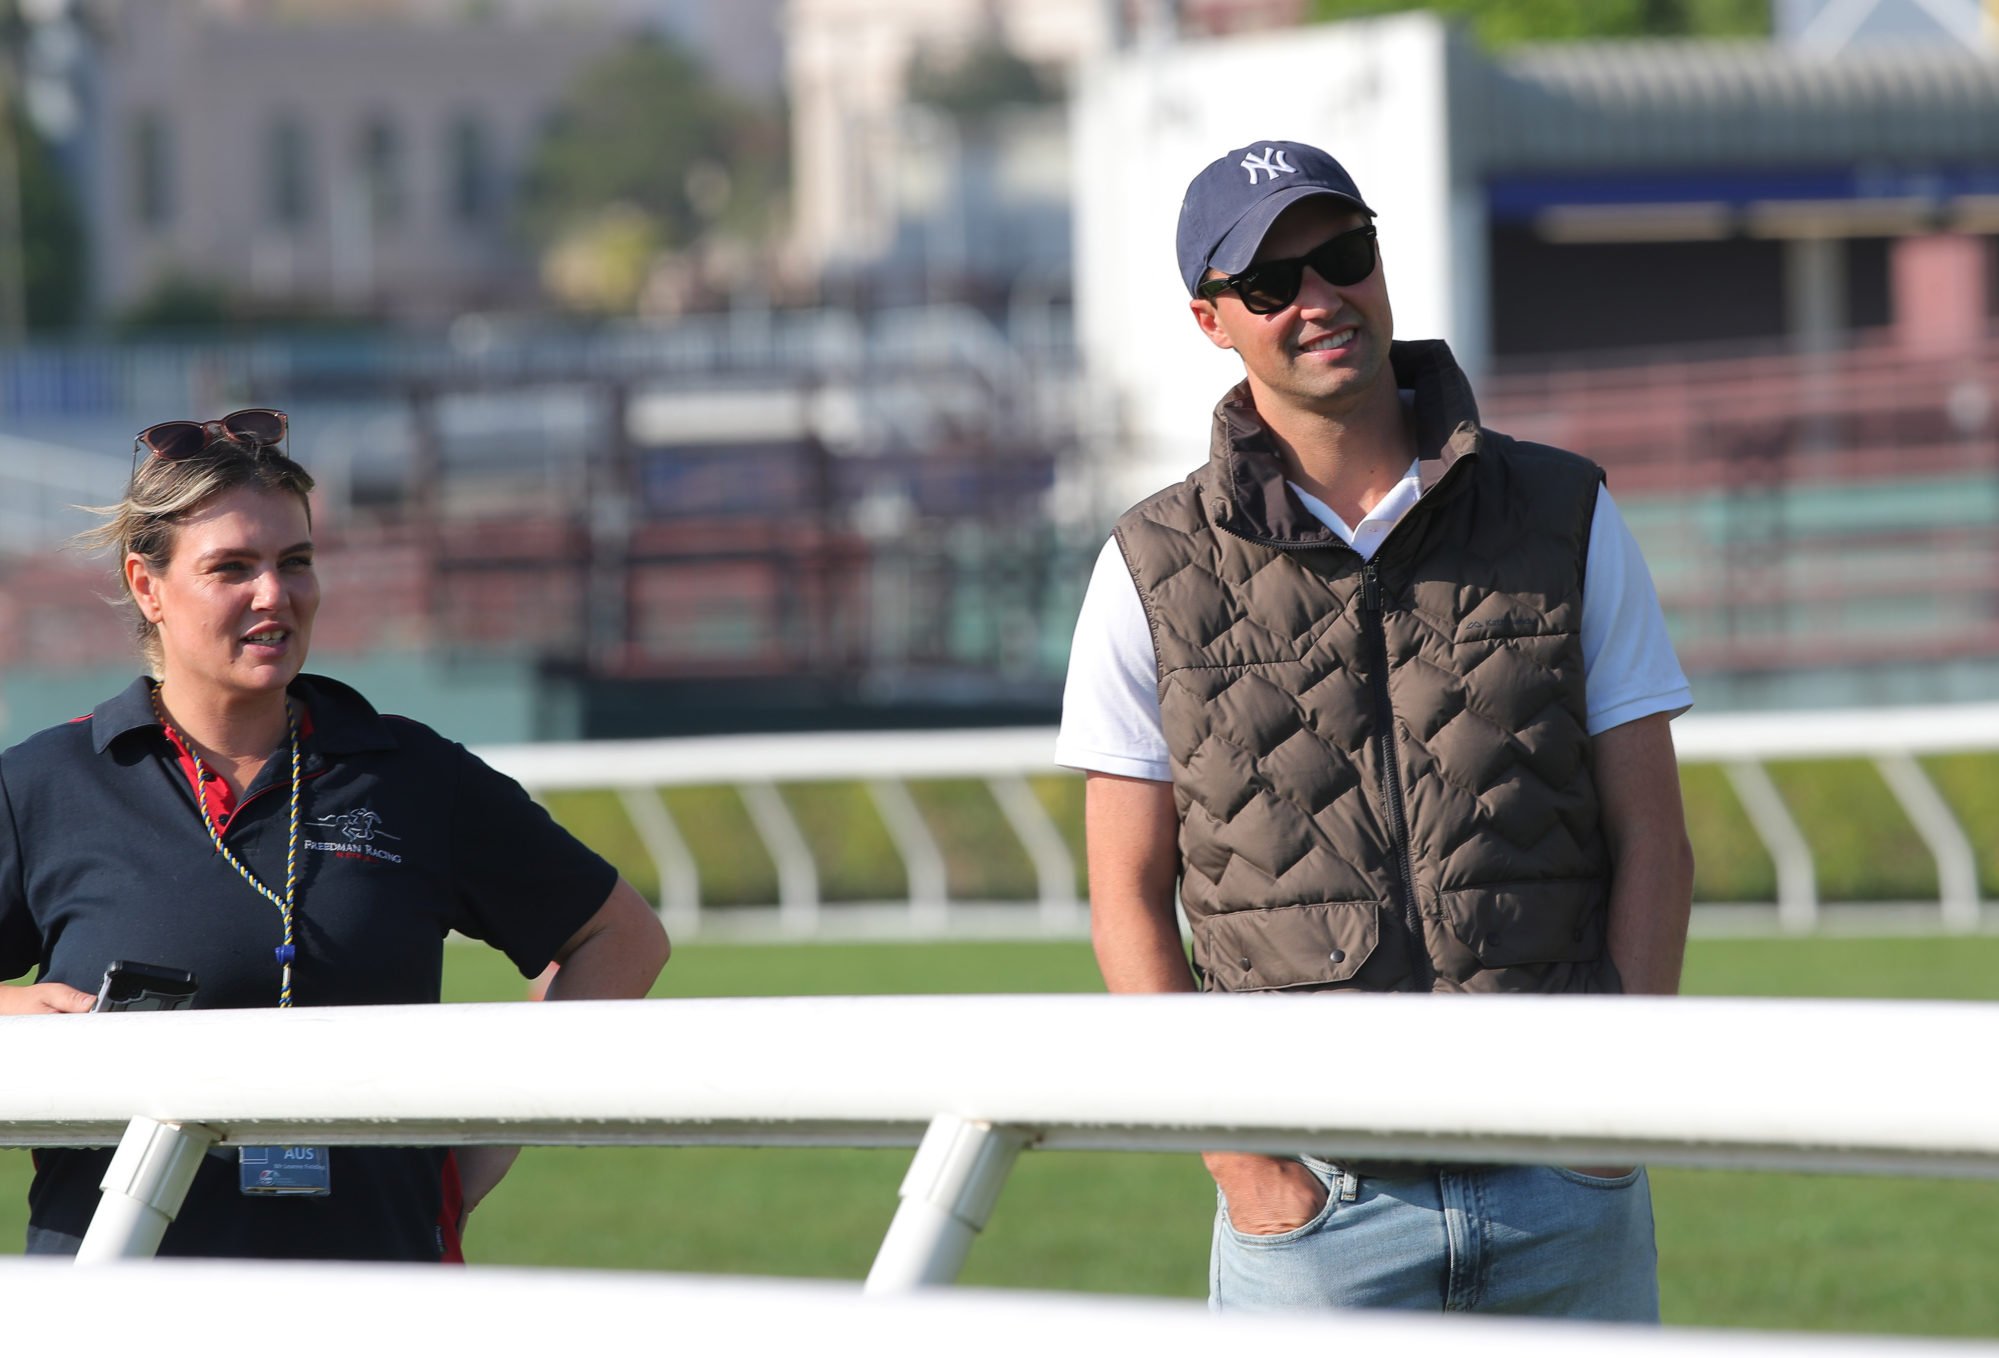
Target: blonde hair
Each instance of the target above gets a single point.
(165, 492)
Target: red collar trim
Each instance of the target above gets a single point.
(214, 793)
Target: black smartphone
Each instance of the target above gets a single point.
(138, 986)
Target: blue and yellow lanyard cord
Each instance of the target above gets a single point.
(287, 950)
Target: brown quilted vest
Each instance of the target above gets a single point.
(1382, 769)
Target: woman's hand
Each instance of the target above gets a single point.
(50, 997)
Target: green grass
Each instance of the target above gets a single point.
(982, 856)
(600, 821)
(1863, 846)
(1827, 1252)
(1936, 968)
(734, 866)
(850, 842)
(1777, 1251)
(1730, 862)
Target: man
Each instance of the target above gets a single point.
(1385, 695)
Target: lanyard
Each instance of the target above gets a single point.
(285, 951)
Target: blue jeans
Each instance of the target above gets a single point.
(1501, 1239)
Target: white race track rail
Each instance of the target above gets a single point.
(973, 1080)
(1683, 1081)
(308, 1310)
(1700, 738)
(1741, 743)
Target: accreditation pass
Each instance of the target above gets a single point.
(284, 1171)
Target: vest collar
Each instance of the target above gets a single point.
(1246, 490)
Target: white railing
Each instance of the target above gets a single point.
(1892, 737)
(1743, 743)
(361, 1308)
(974, 1080)
(885, 761)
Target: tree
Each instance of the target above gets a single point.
(1501, 23)
(51, 235)
(988, 77)
(42, 252)
(646, 146)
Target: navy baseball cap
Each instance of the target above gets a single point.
(1231, 204)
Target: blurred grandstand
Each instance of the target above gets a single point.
(1756, 280)
(815, 519)
(1821, 526)
(803, 518)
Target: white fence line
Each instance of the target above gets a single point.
(200, 1306)
(1948, 728)
(1746, 1083)
(824, 756)
(1724, 1083)
(756, 765)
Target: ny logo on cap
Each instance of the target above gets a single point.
(1271, 162)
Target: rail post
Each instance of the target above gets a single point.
(143, 1188)
(1790, 851)
(1957, 861)
(947, 1197)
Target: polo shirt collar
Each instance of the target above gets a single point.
(343, 722)
(131, 710)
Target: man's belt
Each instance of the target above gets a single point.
(1400, 1169)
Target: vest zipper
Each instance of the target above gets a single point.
(1391, 774)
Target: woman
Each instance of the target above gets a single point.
(268, 831)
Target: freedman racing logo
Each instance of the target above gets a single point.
(358, 830)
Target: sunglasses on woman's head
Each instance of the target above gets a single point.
(1270, 285)
(177, 439)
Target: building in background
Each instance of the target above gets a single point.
(1556, 201)
(1829, 27)
(917, 172)
(347, 158)
(874, 174)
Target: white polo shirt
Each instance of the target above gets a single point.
(1110, 704)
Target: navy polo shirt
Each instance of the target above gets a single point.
(405, 836)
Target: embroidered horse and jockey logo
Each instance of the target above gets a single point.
(1271, 162)
(357, 826)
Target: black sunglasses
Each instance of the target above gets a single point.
(177, 439)
(1270, 285)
